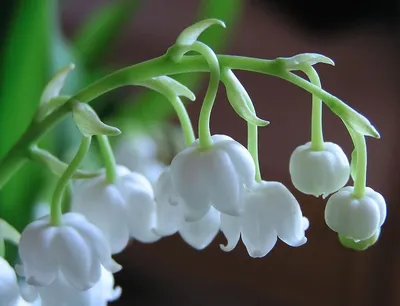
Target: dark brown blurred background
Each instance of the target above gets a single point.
(364, 43)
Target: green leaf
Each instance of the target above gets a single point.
(191, 33)
(150, 107)
(240, 99)
(23, 71)
(93, 40)
(298, 61)
(89, 123)
(168, 87)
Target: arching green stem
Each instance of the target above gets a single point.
(317, 138)
(184, 120)
(205, 140)
(164, 65)
(108, 158)
(56, 203)
(361, 167)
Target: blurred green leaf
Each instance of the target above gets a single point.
(24, 72)
(93, 40)
(152, 107)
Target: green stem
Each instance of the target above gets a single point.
(317, 137)
(56, 203)
(108, 158)
(2, 247)
(252, 129)
(56, 166)
(205, 140)
(184, 120)
(162, 65)
(361, 167)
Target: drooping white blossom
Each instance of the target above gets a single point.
(170, 217)
(76, 249)
(271, 212)
(355, 218)
(60, 293)
(123, 209)
(217, 176)
(139, 154)
(319, 172)
(9, 290)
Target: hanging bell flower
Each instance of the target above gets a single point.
(271, 212)
(355, 218)
(139, 154)
(123, 209)
(319, 172)
(76, 249)
(9, 290)
(170, 217)
(217, 176)
(60, 293)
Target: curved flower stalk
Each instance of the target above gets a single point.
(217, 176)
(170, 216)
(318, 167)
(75, 248)
(62, 294)
(123, 209)
(271, 212)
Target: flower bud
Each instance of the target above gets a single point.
(358, 219)
(319, 172)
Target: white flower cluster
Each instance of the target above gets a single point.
(326, 172)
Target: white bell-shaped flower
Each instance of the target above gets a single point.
(170, 217)
(271, 211)
(319, 172)
(139, 154)
(358, 219)
(217, 176)
(60, 293)
(9, 290)
(76, 249)
(169, 209)
(121, 210)
(199, 234)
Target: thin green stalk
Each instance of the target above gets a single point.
(162, 65)
(205, 140)
(361, 167)
(56, 166)
(108, 158)
(2, 247)
(317, 136)
(56, 203)
(184, 120)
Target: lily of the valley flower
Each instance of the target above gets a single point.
(271, 211)
(139, 154)
(9, 290)
(60, 293)
(319, 172)
(216, 176)
(170, 217)
(121, 210)
(354, 218)
(76, 249)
